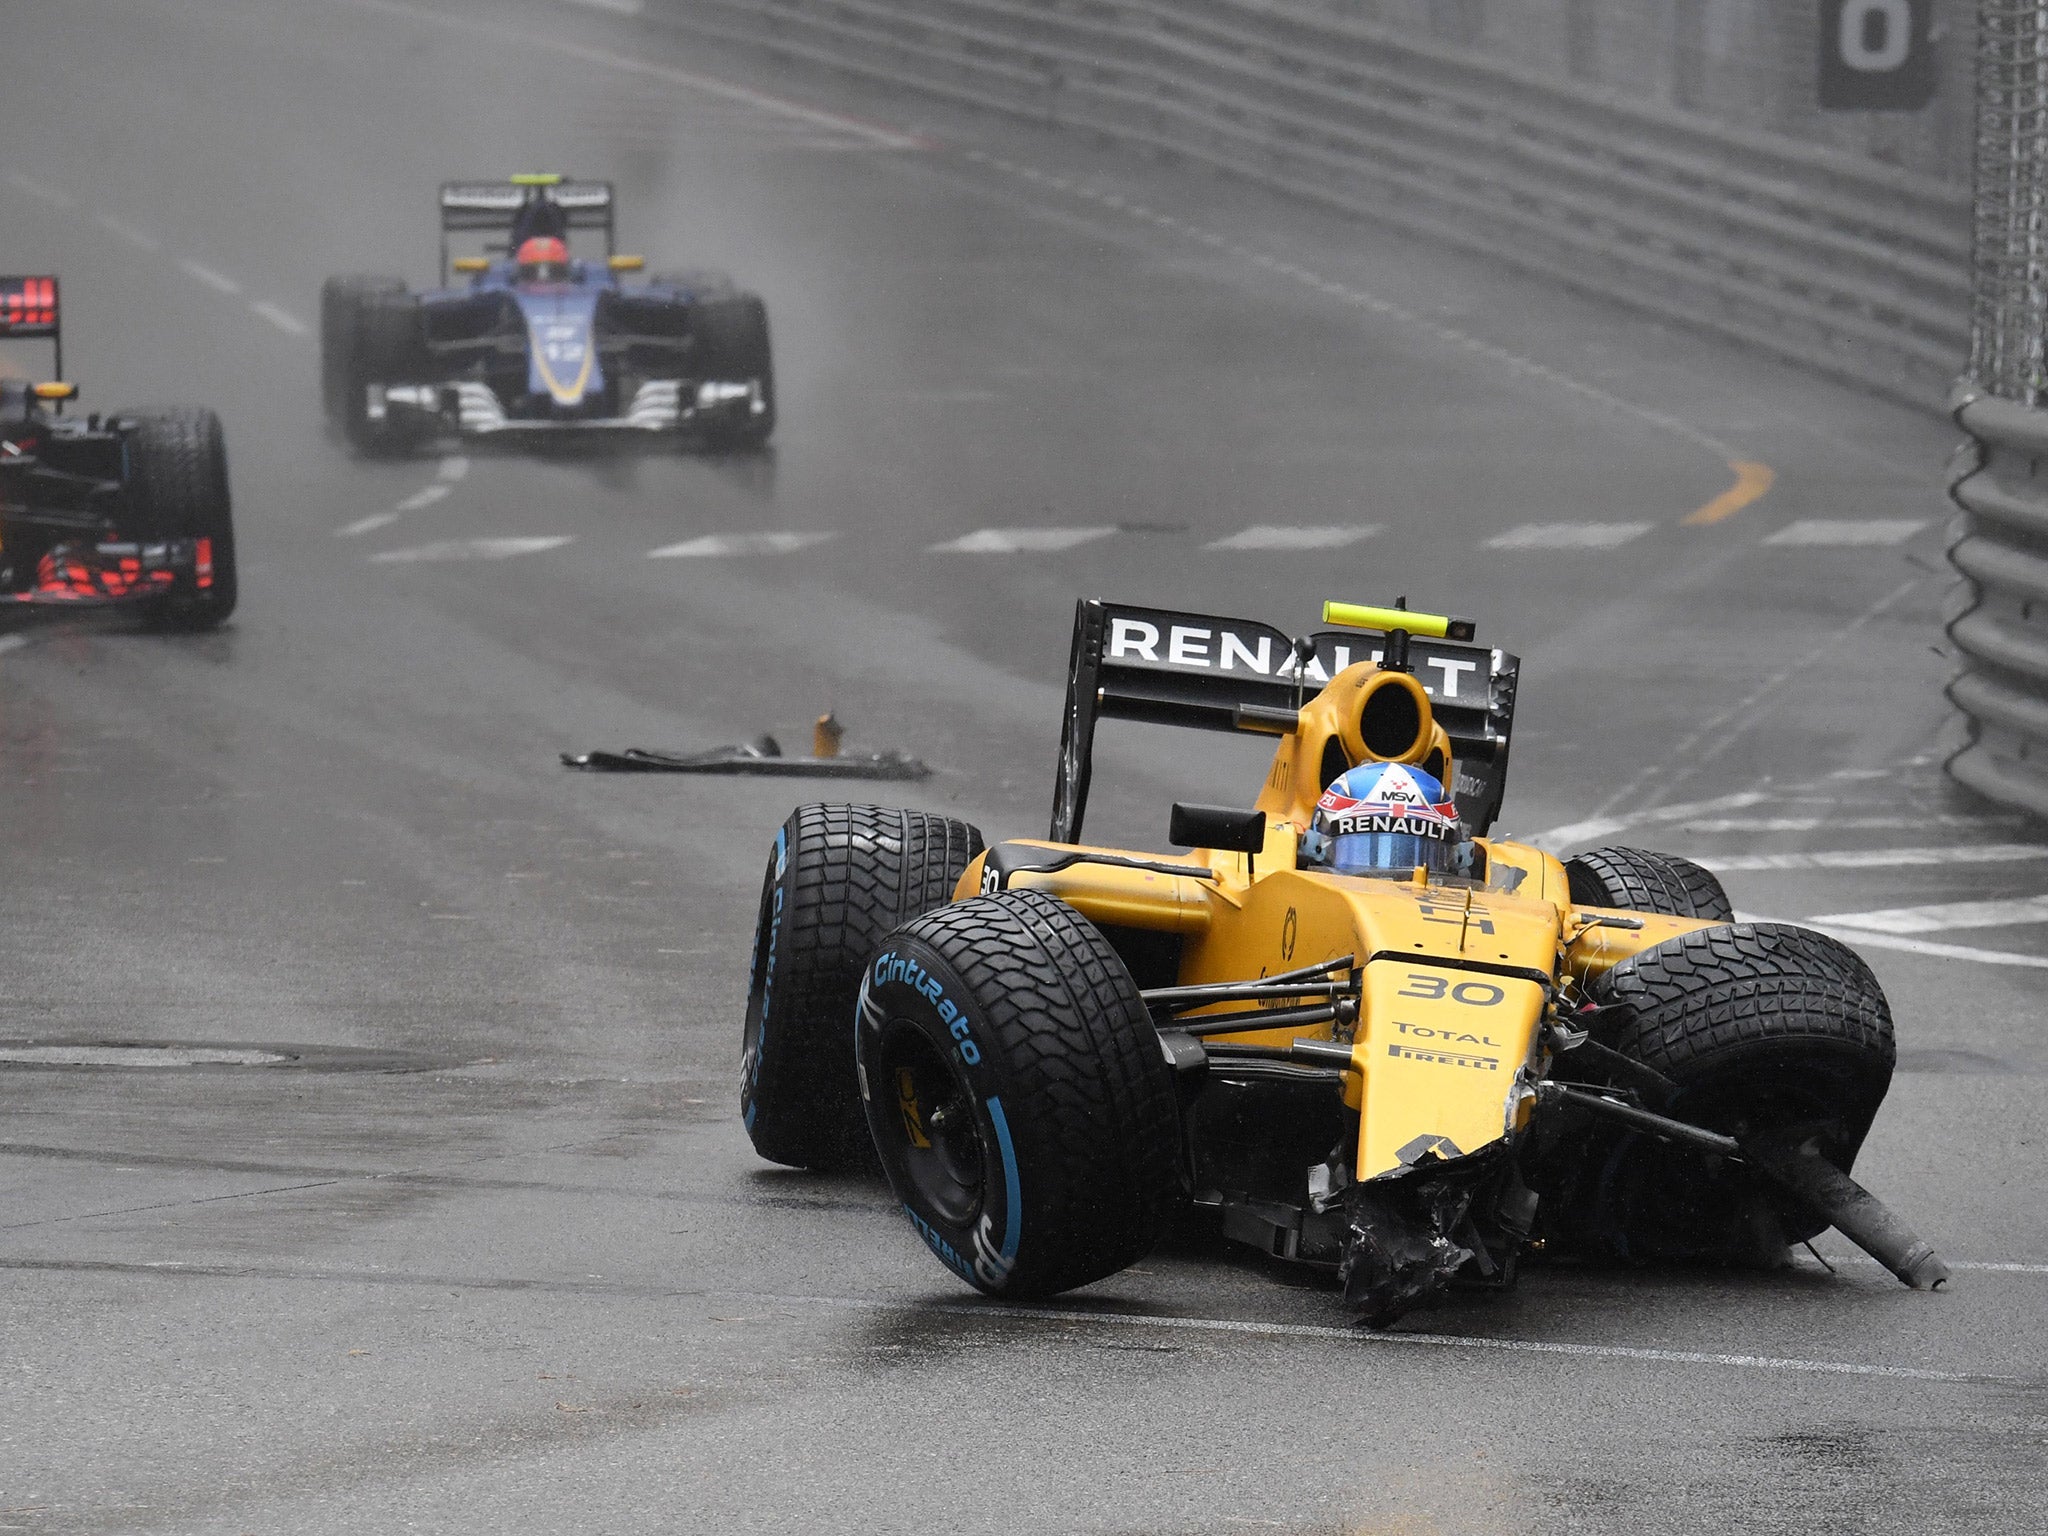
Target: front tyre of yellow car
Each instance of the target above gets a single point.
(1017, 1094)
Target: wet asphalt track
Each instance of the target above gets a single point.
(537, 1282)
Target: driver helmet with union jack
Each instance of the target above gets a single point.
(1383, 819)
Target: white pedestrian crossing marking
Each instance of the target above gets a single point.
(1568, 536)
(1847, 531)
(473, 549)
(715, 545)
(1874, 858)
(1945, 915)
(1019, 541)
(1270, 536)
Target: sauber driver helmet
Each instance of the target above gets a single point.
(1383, 819)
(543, 259)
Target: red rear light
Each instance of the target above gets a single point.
(203, 563)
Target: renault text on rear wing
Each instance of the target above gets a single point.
(1206, 671)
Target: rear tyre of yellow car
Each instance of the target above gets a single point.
(1637, 880)
(839, 878)
(1768, 1030)
(1018, 1096)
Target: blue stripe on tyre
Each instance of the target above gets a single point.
(1013, 1197)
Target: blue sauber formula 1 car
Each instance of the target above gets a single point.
(539, 340)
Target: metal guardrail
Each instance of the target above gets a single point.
(1826, 259)
(2000, 629)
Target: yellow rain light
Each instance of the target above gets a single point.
(625, 263)
(56, 391)
(471, 264)
(537, 179)
(1435, 626)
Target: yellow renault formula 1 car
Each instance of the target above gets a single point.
(1411, 1076)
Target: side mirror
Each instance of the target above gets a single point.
(1217, 826)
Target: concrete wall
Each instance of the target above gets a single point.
(1747, 63)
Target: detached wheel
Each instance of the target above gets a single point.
(1637, 880)
(1764, 1028)
(387, 346)
(178, 477)
(1015, 1086)
(732, 347)
(840, 877)
(340, 299)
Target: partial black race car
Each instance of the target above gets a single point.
(128, 508)
(536, 340)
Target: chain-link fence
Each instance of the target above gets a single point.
(2009, 288)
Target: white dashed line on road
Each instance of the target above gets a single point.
(1944, 915)
(453, 467)
(426, 496)
(1268, 537)
(218, 282)
(283, 319)
(1833, 532)
(1874, 858)
(12, 642)
(364, 525)
(719, 545)
(1568, 536)
(1020, 541)
(473, 549)
(49, 195)
(140, 239)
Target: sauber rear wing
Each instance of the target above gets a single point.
(489, 206)
(29, 307)
(1200, 670)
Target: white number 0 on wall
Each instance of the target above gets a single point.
(1875, 36)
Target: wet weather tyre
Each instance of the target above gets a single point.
(1024, 1112)
(178, 467)
(388, 346)
(340, 300)
(839, 878)
(1637, 880)
(1764, 1028)
(732, 347)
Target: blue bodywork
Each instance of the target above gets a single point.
(562, 360)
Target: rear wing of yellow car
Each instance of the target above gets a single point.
(1223, 674)
(489, 207)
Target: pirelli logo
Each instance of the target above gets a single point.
(1445, 1058)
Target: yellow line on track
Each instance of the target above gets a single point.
(1752, 482)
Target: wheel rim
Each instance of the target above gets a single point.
(933, 1134)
